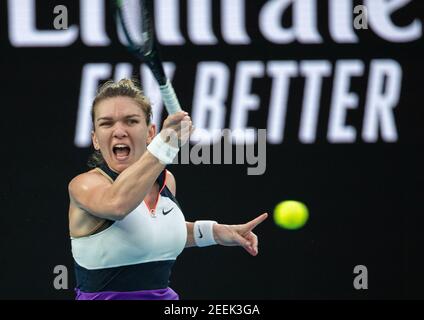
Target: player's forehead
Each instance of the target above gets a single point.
(118, 107)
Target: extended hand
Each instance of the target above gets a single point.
(239, 234)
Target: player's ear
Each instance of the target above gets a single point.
(95, 141)
(151, 133)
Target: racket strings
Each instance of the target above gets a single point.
(131, 17)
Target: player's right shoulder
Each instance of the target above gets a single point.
(86, 182)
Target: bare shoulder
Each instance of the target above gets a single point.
(85, 182)
(81, 189)
(171, 182)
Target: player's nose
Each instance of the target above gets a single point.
(119, 131)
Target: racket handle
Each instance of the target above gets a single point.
(169, 98)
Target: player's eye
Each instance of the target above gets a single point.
(132, 121)
(104, 124)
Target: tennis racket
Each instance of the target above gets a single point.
(135, 18)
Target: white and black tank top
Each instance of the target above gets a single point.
(135, 253)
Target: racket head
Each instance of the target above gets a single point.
(135, 18)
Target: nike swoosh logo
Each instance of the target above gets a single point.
(200, 233)
(166, 212)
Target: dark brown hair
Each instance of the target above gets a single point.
(122, 88)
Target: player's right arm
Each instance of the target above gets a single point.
(95, 194)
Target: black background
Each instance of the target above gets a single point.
(364, 199)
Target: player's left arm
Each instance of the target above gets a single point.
(226, 235)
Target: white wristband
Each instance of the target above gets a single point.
(162, 150)
(203, 233)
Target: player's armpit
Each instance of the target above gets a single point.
(171, 183)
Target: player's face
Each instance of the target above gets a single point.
(120, 132)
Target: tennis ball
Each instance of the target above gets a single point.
(291, 214)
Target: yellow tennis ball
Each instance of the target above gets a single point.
(291, 214)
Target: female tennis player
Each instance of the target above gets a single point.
(126, 226)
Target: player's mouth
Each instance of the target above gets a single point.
(121, 151)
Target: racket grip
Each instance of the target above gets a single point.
(169, 98)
